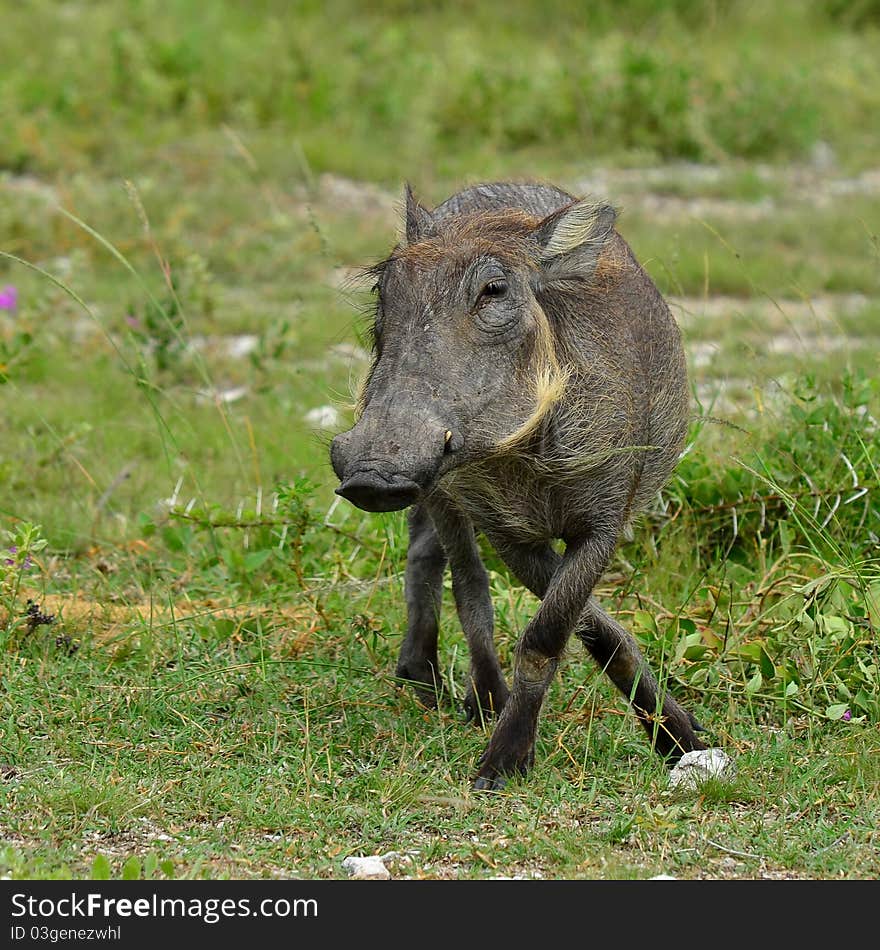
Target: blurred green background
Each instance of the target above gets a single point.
(244, 159)
(392, 89)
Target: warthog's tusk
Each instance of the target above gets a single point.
(448, 436)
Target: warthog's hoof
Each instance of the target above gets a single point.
(501, 761)
(486, 784)
(695, 725)
(425, 682)
(492, 779)
(673, 732)
(483, 701)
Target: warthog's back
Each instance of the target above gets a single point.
(539, 200)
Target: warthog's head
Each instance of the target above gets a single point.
(465, 357)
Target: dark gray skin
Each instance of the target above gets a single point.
(497, 283)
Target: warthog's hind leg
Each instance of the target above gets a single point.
(671, 729)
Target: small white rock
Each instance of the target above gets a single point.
(369, 868)
(662, 877)
(324, 417)
(230, 395)
(695, 767)
(241, 345)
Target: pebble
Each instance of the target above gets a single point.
(371, 867)
(695, 767)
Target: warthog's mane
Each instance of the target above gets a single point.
(507, 233)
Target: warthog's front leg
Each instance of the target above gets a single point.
(425, 564)
(670, 727)
(487, 690)
(511, 749)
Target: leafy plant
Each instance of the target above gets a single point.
(17, 562)
(803, 631)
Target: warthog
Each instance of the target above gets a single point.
(528, 383)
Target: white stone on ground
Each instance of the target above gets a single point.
(372, 867)
(695, 767)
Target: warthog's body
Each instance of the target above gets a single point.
(528, 383)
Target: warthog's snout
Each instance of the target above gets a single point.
(378, 473)
(373, 491)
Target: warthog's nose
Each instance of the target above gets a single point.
(372, 491)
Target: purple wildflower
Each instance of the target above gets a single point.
(9, 298)
(847, 716)
(132, 321)
(26, 564)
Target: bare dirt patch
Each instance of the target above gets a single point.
(110, 624)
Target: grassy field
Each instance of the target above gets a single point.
(198, 639)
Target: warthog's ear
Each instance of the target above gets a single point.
(418, 218)
(571, 239)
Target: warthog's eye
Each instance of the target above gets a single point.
(495, 289)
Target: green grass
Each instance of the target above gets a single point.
(224, 759)
(795, 251)
(215, 697)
